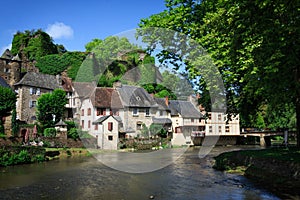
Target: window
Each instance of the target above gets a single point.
(135, 112)
(110, 126)
(209, 116)
(96, 127)
(101, 111)
(89, 124)
(35, 91)
(32, 104)
(6, 70)
(110, 137)
(192, 120)
(139, 125)
(219, 117)
(227, 129)
(147, 112)
(82, 123)
(220, 129)
(210, 129)
(82, 112)
(161, 113)
(89, 111)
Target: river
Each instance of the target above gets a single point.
(188, 177)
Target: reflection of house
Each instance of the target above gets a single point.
(29, 89)
(186, 119)
(218, 124)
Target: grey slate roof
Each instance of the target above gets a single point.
(161, 120)
(162, 104)
(39, 80)
(185, 108)
(103, 118)
(132, 96)
(3, 83)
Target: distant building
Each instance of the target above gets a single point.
(10, 68)
(218, 123)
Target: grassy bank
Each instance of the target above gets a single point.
(277, 169)
(55, 153)
(16, 155)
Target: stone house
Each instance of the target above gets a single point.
(163, 114)
(29, 89)
(186, 120)
(139, 108)
(10, 68)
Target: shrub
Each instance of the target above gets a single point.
(73, 133)
(50, 132)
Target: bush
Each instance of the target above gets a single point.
(50, 132)
(73, 133)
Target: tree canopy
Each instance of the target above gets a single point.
(34, 44)
(51, 107)
(254, 44)
(7, 104)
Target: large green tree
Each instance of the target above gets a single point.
(254, 44)
(7, 104)
(33, 44)
(51, 107)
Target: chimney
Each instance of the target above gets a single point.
(167, 100)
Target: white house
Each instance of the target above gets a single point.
(108, 130)
(217, 123)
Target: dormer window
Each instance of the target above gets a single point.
(6, 70)
(34, 90)
(135, 112)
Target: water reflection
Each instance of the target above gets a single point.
(85, 178)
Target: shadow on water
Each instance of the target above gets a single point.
(189, 177)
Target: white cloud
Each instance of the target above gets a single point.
(59, 30)
(4, 48)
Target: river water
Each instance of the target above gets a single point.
(188, 177)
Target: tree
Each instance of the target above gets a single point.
(57, 63)
(33, 44)
(51, 107)
(255, 46)
(7, 104)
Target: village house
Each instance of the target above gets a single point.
(101, 102)
(138, 108)
(29, 89)
(186, 120)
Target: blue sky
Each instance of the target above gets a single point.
(74, 23)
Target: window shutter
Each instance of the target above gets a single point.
(31, 90)
(110, 126)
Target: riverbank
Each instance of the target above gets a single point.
(276, 169)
